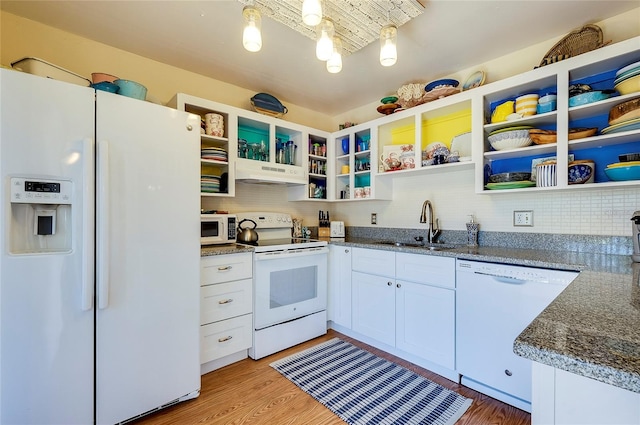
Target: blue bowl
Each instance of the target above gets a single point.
(132, 89)
(345, 145)
(623, 173)
(589, 97)
(106, 86)
(541, 108)
(445, 82)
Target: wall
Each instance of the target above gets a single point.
(21, 38)
(589, 212)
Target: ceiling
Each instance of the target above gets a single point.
(206, 37)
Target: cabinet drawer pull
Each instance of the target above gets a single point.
(227, 301)
(389, 283)
(226, 338)
(398, 285)
(508, 372)
(224, 268)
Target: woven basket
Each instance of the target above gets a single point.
(577, 42)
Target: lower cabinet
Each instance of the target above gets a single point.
(226, 304)
(564, 398)
(339, 292)
(374, 307)
(409, 304)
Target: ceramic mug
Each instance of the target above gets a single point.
(367, 191)
(408, 160)
(214, 124)
(344, 169)
(358, 192)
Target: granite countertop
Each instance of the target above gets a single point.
(232, 248)
(591, 329)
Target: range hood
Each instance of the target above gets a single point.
(251, 171)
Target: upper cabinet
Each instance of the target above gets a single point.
(218, 144)
(479, 129)
(566, 145)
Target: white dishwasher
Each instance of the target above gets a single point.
(494, 303)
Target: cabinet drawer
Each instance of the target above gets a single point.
(225, 268)
(226, 337)
(225, 300)
(373, 261)
(426, 269)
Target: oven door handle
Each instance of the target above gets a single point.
(274, 255)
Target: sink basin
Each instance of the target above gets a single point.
(429, 246)
(411, 244)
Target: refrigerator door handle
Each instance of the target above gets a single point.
(87, 225)
(102, 215)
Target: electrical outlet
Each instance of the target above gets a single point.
(523, 218)
(374, 218)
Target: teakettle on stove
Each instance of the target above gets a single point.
(635, 218)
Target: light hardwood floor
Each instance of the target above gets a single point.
(251, 392)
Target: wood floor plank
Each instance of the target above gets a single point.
(251, 392)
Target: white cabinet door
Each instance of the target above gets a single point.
(426, 269)
(339, 305)
(374, 306)
(425, 322)
(374, 261)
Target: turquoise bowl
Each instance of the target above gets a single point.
(623, 173)
(106, 86)
(131, 89)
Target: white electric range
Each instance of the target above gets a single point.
(289, 286)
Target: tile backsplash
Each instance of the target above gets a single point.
(582, 211)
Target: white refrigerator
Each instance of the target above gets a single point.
(99, 264)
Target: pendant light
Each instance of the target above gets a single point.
(251, 37)
(311, 12)
(324, 45)
(334, 64)
(388, 43)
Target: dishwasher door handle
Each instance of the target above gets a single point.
(502, 278)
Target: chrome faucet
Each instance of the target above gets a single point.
(427, 217)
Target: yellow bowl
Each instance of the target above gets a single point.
(630, 85)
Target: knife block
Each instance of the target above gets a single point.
(324, 232)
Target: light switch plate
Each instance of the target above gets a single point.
(374, 218)
(523, 218)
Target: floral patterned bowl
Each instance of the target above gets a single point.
(581, 171)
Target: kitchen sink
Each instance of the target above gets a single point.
(429, 246)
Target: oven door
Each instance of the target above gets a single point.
(289, 284)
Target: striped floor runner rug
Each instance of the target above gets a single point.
(362, 388)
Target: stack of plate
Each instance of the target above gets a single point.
(628, 79)
(214, 154)
(209, 184)
(632, 124)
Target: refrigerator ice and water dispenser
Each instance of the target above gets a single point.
(40, 216)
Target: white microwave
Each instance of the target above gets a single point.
(217, 229)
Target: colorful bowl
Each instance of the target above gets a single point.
(589, 97)
(511, 139)
(99, 77)
(106, 86)
(581, 172)
(131, 89)
(546, 107)
(623, 173)
(630, 85)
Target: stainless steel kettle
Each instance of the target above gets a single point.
(635, 218)
(247, 235)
